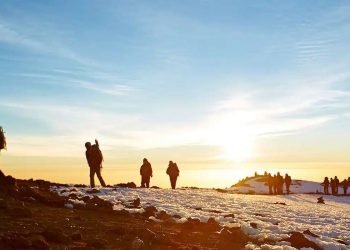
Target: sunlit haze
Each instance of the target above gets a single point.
(223, 88)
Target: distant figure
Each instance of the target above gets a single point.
(2, 139)
(336, 184)
(332, 183)
(94, 158)
(173, 172)
(288, 181)
(279, 183)
(275, 184)
(270, 183)
(146, 173)
(325, 185)
(345, 185)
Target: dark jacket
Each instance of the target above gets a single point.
(173, 170)
(146, 169)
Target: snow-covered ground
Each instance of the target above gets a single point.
(331, 221)
(257, 185)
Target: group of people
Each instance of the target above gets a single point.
(334, 183)
(276, 182)
(94, 158)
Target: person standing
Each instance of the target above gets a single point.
(325, 185)
(345, 185)
(332, 186)
(270, 183)
(173, 172)
(336, 184)
(146, 173)
(275, 184)
(94, 158)
(288, 181)
(279, 183)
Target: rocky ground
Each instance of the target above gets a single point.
(33, 217)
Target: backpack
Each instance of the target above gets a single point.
(2, 139)
(96, 155)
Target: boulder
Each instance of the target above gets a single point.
(39, 242)
(149, 211)
(126, 185)
(55, 235)
(298, 240)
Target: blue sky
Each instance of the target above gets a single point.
(253, 80)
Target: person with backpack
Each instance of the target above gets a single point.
(146, 173)
(2, 139)
(94, 158)
(173, 172)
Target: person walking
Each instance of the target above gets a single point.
(146, 173)
(94, 158)
(325, 185)
(173, 172)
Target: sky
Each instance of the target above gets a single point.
(223, 88)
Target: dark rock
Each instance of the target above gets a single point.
(198, 208)
(342, 242)
(320, 200)
(134, 203)
(126, 185)
(20, 212)
(215, 211)
(229, 216)
(212, 225)
(97, 243)
(308, 232)
(16, 241)
(93, 191)
(280, 203)
(137, 244)
(85, 199)
(73, 196)
(3, 204)
(254, 225)
(298, 240)
(162, 215)
(96, 202)
(149, 211)
(176, 216)
(77, 236)
(80, 186)
(155, 187)
(147, 235)
(55, 235)
(39, 242)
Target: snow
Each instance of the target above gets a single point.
(331, 221)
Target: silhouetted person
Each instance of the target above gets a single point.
(332, 186)
(336, 184)
(279, 183)
(288, 181)
(275, 184)
(173, 172)
(325, 185)
(146, 173)
(270, 183)
(94, 158)
(2, 139)
(345, 185)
